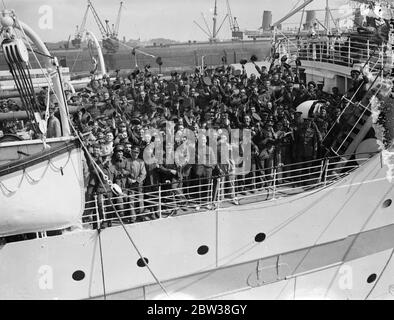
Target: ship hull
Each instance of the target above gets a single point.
(308, 238)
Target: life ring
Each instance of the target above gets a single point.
(310, 108)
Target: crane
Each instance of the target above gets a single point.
(116, 29)
(110, 37)
(76, 42)
(234, 27)
(103, 29)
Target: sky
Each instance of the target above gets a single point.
(148, 19)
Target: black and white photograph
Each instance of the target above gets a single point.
(209, 151)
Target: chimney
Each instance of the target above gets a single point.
(267, 20)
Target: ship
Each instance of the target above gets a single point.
(330, 235)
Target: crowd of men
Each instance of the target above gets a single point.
(117, 118)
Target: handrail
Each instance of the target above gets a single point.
(331, 50)
(293, 164)
(273, 183)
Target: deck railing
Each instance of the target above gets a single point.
(340, 51)
(186, 197)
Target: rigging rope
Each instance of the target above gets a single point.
(25, 88)
(102, 264)
(75, 61)
(40, 53)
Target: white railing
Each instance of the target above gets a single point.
(345, 52)
(261, 185)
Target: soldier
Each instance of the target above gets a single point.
(122, 168)
(266, 161)
(170, 176)
(226, 167)
(310, 93)
(320, 93)
(321, 121)
(359, 85)
(284, 140)
(95, 186)
(310, 139)
(127, 150)
(335, 98)
(108, 145)
(206, 161)
(53, 126)
(136, 181)
(122, 133)
(183, 159)
(289, 96)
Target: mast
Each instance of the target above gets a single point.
(212, 33)
(116, 28)
(215, 13)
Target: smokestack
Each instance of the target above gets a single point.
(310, 18)
(267, 20)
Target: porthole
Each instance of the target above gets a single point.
(202, 250)
(372, 278)
(260, 237)
(387, 203)
(142, 262)
(78, 275)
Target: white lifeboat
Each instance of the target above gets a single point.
(41, 192)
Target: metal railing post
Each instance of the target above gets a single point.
(159, 201)
(97, 211)
(349, 48)
(210, 200)
(102, 206)
(321, 53)
(288, 46)
(314, 56)
(382, 59)
(219, 197)
(368, 50)
(326, 172)
(307, 51)
(321, 170)
(274, 185)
